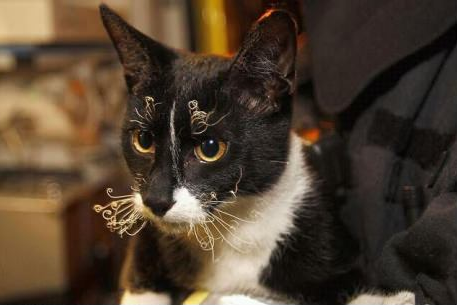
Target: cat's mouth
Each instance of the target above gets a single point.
(220, 224)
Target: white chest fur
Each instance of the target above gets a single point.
(235, 271)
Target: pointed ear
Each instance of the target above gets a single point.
(264, 68)
(144, 60)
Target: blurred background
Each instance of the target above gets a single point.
(62, 96)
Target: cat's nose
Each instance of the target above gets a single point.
(158, 206)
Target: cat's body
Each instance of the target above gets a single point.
(271, 254)
(232, 206)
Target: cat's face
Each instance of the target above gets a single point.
(202, 131)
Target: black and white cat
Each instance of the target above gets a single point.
(225, 198)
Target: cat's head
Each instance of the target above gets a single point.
(202, 131)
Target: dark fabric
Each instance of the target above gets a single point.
(423, 259)
(384, 171)
(390, 131)
(390, 69)
(352, 41)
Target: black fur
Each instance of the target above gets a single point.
(252, 93)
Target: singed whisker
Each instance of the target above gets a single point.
(138, 114)
(123, 215)
(199, 119)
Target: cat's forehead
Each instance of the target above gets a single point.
(200, 67)
(193, 78)
(196, 75)
(192, 82)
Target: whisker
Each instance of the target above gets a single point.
(199, 119)
(126, 207)
(149, 101)
(135, 188)
(229, 228)
(122, 215)
(137, 230)
(141, 124)
(276, 161)
(233, 216)
(206, 244)
(109, 192)
(226, 240)
(138, 114)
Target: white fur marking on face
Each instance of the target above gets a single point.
(174, 148)
(401, 298)
(145, 298)
(275, 212)
(187, 208)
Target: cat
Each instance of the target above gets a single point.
(225, 200)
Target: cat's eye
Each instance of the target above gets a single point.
(210, 150)
(143, 142)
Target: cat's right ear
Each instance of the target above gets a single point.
(144, 60)
(264, 68)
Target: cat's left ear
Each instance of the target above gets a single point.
(264, 69)
(145, 60)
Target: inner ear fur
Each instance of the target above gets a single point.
(264, 68)
(144, 60)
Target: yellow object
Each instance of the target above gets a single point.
(212, 26)
(196, 298)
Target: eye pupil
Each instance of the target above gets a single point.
(145, 139)
(210, 148)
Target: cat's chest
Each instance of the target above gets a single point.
(235, 272)
(241, 257)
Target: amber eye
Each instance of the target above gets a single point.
(143, 141)
(210, 150)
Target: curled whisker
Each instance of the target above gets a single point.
(139, 181)
(135, 232)
(150, 107)
(135, 188)
(139, 115)
(124, 214)
(109, 192)
(210, 199)
(199, 119)
(237, 182)
(150, 104)
(207, 242)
